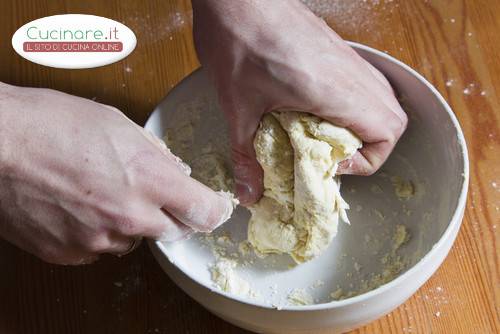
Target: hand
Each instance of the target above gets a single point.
(77, 179)
(268, 55)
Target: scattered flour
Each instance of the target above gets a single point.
(347, 17)
(225, 278)
(300, 297)
(158, 29)
(392, 265)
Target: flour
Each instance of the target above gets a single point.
(225, 278)
(355, 15)
(391, 263)
(300, 297)
(224, 269)
(159, 28)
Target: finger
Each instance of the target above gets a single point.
(162, 146)
(175, 230)
(366, 116)
(124, 245)
(367, 160)
(199, 207)
(194, 204)
(388, 95)
(157, 142)
(248, 174)
(372, 155)
(159, 225)
(377, 126)
(378, 76)
(164, 149)
(381, 88)
(182, 197)
(374, 84)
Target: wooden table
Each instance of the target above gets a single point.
(455, 44)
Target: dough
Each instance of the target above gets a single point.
(299, 211)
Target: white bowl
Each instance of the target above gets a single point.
(432, 154)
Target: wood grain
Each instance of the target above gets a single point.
(455, 44)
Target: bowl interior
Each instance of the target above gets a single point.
(388, 233)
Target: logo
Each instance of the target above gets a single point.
(74, 41)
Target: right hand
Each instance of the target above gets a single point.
(78, 179)
(267, 55)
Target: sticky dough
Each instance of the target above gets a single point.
(300, 208)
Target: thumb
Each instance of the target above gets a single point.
(248, 174)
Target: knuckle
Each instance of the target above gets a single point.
(134, 222)
(116, 218)
(127, 224)
(398, 125)
(392, 138)
(369, 171)
(150, 164)
(395, 128)
(365, 169)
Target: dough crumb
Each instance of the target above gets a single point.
(337, 294)
(403, 189)
(226, 279)
(244, 248)
(318, 283)
(300, 297)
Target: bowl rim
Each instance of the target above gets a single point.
(455, 220)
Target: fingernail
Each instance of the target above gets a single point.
(344, 166)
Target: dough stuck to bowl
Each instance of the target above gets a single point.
(299, 211)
